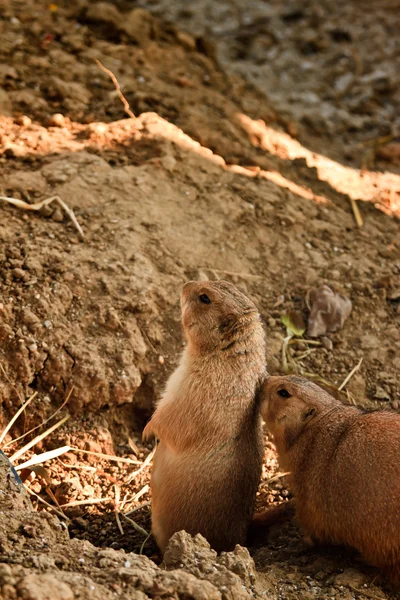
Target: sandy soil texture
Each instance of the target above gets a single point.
(256, 128)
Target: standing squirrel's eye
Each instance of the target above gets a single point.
(283, 393)
(204, 299)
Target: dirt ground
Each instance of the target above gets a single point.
(256, 129)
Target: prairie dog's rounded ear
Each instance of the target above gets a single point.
(309, 414)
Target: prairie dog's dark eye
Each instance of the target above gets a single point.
(283, 393)
(204, 299)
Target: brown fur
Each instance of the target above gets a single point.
(344, 465)
(208, 463)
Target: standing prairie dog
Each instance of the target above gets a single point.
(344, 468)
(208, 463)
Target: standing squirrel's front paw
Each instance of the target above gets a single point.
(148, 432)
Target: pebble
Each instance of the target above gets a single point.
(326, 343)
(20, 274)
(23, 120)
(381, 394)
(57, 120)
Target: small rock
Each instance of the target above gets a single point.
(57, 120)
(326, 343)
(57, 215)
(138, 24)
(23, 120)
(186, 40)
(103, 11)
(98, 128)
(381, 394)
(20, 274)
(168, 162)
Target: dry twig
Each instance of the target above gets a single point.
(144, 543)
(135, 525)
(303, 341)
(38, 439)
(15, 417)
(84, 502)
(276, 477)
(109, 457)
(141, 493)
(350, 375)
(356, 212)
(41, 424)
(38, 205)
(146, 463)
(117, 87)
(116, 509)
(41, 458)
(138, 508)
(58, 512)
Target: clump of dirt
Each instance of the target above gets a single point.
(38, 561)
(206, 182)
(331, 69)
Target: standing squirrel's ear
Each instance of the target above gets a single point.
(309, 414)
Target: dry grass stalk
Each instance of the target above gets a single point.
(41, 458)
(141, 493)
(284, 358)
(135, 525)
(356, 212)
(350, 375)
(118, 89)
(116, 510)
(38, 205)
(350, 398)
(133, 447)
(320, 379)
(15, 417)
(52, 496)
(276, 477)
(145, 464)
(84, 502)
(81, 467)
(109, 457)
(305, 354)
(138, 508)
(50, 506)
(144, 543)
(38, 439)
(41, 424)
(303, 341)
